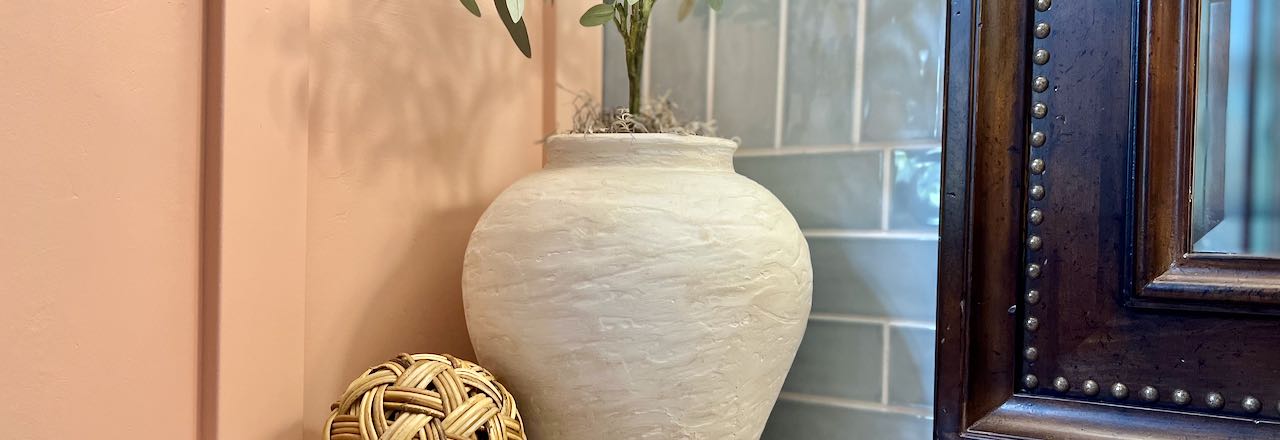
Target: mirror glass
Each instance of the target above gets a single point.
(1236, 170)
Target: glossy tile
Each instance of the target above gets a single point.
(792, 420)
(746, 71)
(839, 359)
(615, 69)
(902, 92)
(827, 191)
(821, 45)
(678, 62)
(880, 277)
(916, 191)
(911, 366)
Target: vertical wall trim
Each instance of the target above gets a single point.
(209, 223)
(253, 221)
(549, 30)
(886, 190)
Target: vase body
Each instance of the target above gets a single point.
(638, 288)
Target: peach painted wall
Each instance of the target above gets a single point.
(256, 195)
(420, 115)
(579, 56)
(351, 146)
(99, 234)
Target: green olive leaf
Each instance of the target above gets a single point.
(715, 4)
(597, 15)
(471, 7)
(519, 33)
(516, 9)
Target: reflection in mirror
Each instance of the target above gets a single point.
(1236, 172)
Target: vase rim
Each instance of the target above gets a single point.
(666, 150)
(647, 138)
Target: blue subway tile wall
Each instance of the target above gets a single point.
(837, 107)
(678, 61)
(842, 345)
(904, 50)
(614, 73)
(819, 85)
(875, 276)
(794, 419)
(823, 191)
(746, 71)
(911, 366)
(917, 185)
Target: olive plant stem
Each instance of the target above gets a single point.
(634, 41)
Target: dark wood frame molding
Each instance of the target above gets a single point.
(982, 178)
(1169, 274)
(982, 256)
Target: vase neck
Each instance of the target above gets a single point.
(640, 151)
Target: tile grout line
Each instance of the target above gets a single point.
(868, 233)
(884, 366)
(780, 92)
(830, 149)
(849, 318)
(886, 193)
(859, 72)
(855, 404)
(711, 64)
(858, 58)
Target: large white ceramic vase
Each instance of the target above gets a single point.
(638, 288)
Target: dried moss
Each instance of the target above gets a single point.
(656, 116)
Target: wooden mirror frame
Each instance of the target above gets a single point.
(981, 389)
(1170, 274)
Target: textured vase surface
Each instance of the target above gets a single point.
(638, 288)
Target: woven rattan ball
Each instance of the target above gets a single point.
(425, 397)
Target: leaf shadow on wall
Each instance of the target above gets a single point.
(419, 115)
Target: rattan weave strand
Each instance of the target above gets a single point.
(425, 397)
